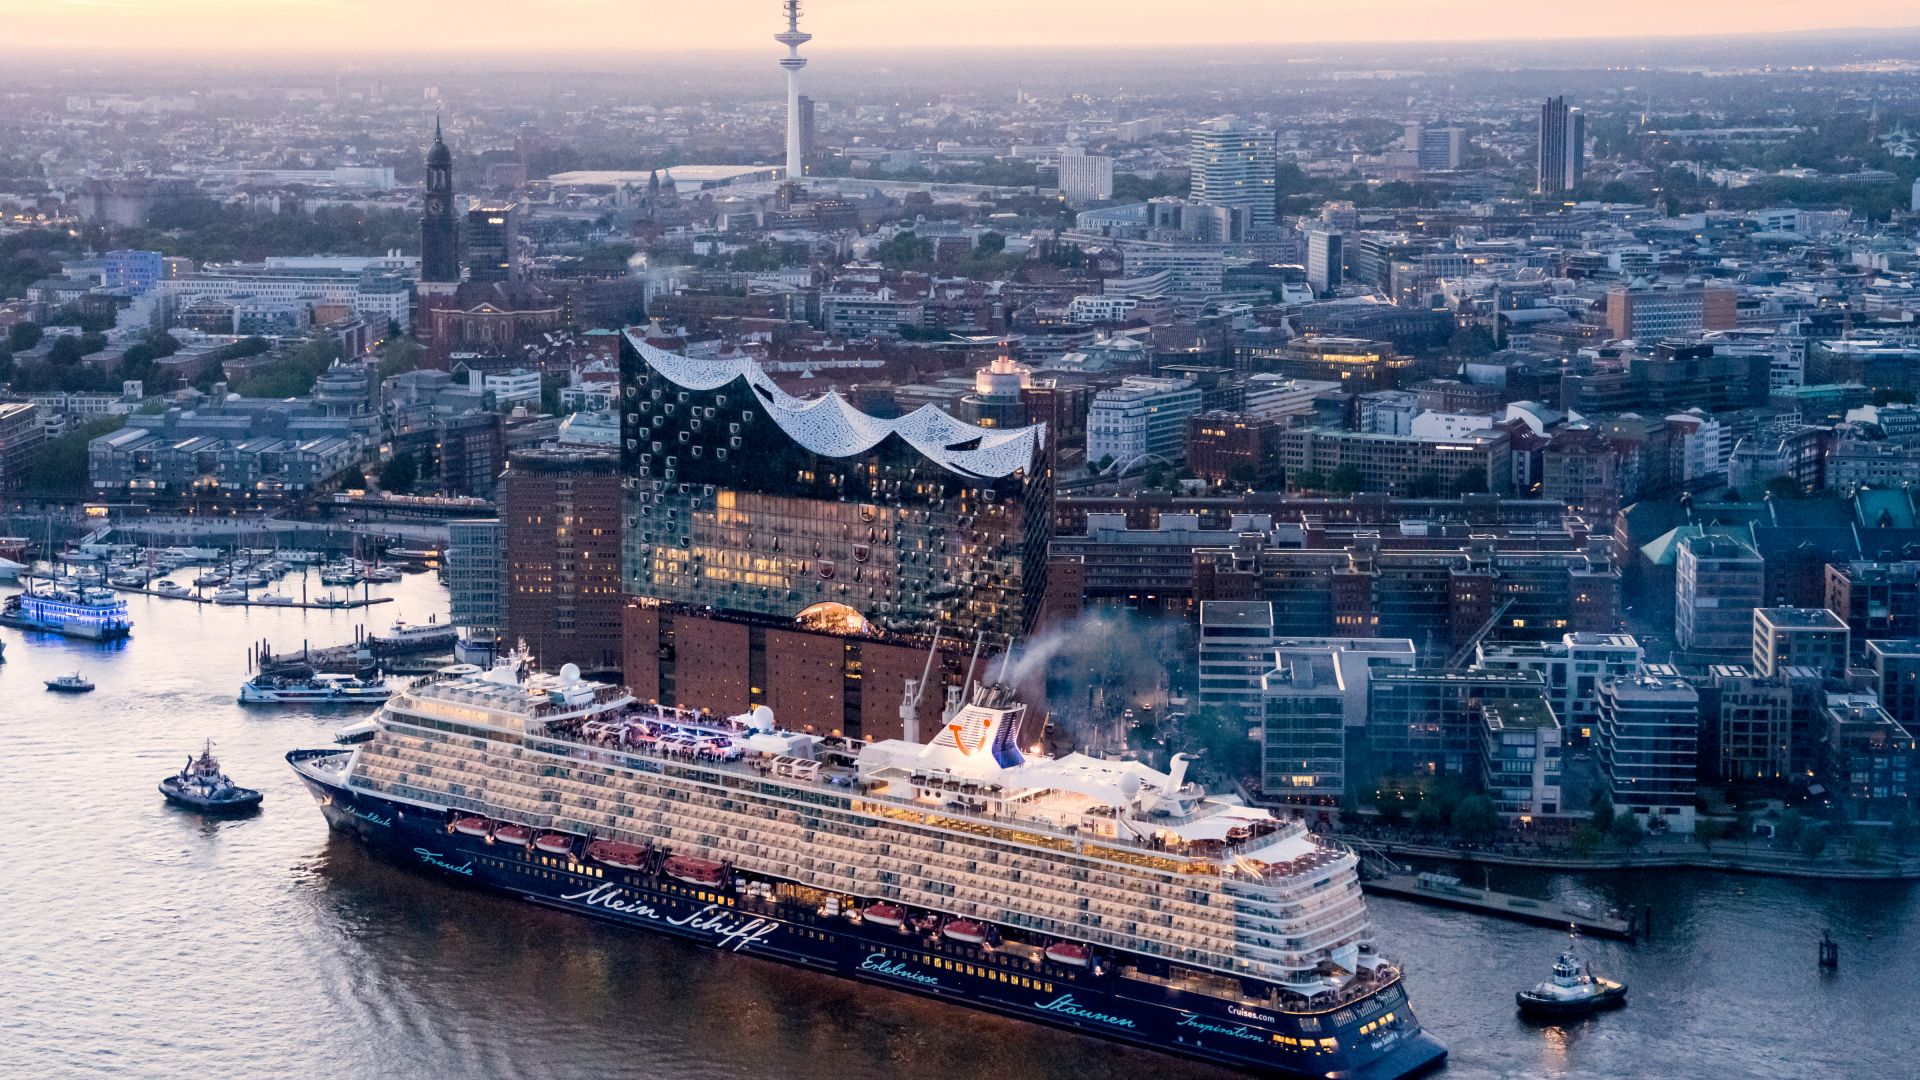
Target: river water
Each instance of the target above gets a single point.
(138, 940)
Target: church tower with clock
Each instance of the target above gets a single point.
(439, 236)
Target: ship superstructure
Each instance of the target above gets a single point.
(1105, 896)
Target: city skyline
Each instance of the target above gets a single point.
(294, 26)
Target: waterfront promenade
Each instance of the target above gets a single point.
(1734, 856)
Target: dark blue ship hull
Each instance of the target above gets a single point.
(1375, 1037)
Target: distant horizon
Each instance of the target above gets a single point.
(357, 30)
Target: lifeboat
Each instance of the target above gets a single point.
(513, 834)
(617, 855)
(966, 931)
(695, 871)
(1070, 954)
(471, 826)
(884, 915)
(555, 843)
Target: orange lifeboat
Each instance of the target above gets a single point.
(883, 914)
(555, 843)
(471, 826)
(617, 855)
(518, 835)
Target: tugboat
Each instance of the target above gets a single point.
(202, 786)
(75, 683)
(1573, 992)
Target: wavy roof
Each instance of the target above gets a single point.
(831, 426)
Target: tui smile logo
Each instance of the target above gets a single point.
(986, 731)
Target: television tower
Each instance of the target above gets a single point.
(792, 38)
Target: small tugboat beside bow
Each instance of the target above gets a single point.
(1573, 991)
(202, 786)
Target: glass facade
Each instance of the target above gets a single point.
(729, 510)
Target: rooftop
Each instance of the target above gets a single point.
(1799, 618)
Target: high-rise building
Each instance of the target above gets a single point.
(801, 554)
(1718, 581)
(1427, 720)
(439, 231)
(1563, 148)
(1085, 177)
(1236, 649)
(562, 512)
(1573, 668)
(1325, 259)
(20, 437)
(1869, 755)
(1232, 164)
(1435, 148)
(808, 131)
(477, 573)
(1752, 722)
(492, 237)
(1649, 745)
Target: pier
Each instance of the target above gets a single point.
(295, 605)
(1442, 890)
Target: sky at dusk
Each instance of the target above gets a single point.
(667, 25)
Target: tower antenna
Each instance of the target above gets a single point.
(793, 37)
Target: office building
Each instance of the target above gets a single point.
(1427, 722)
(562, 514)
(1870, 756)
(492, 243)
(1650, 312)
(1435, 148)
(1648, 745)
(1143, 418)
(1232, 164)
(1800, 637)
(1572, 668)
(809, 131)
(1877, 599)
(476, 563)
(439, 229)
(1325, 259)
(20, 436)
(1896, 678)
(1314, 708)
(1563, 148)
(1521, 757)
(134, 271)
(1718, 582)
(801, 554)
(1480, 461)
(1085, 177)
(1751, 725)
(469, 451)
(1236, 650)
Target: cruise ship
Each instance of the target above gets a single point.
(78, 611)
(1105, 897)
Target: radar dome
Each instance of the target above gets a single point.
(761, 718)
(570, 673)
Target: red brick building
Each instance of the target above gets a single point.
(562, 522)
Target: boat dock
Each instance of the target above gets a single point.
(296, 605)
(1443, 890)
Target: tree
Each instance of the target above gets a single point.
(1391, 804)
(1307, 480)
(1901, 830)
(1603, 813)
(402, 471)
(59, 467)
(1471, 341)
(1469, 482)
(1425, 485)
(1707, 830)
(1813, 840)
(904, 249)
(1862, 846)
(66, 351)
(1346, 479)
(1475, 820)
(991, 243)
(1790, 827)
(24, 336)
(1585, 839)
(1224, 740)
(1625, 831)
(1429, 816)
(401, 354)
(1784, 487)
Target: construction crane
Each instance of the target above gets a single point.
(1465, 651)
